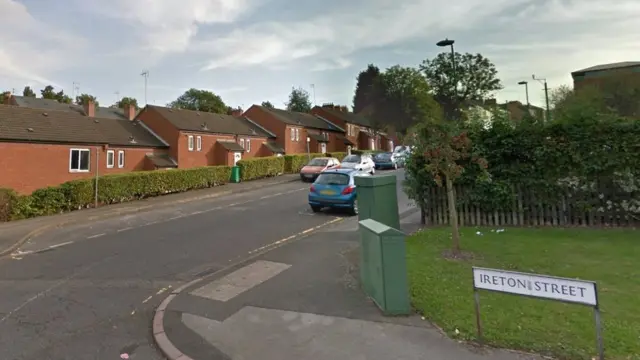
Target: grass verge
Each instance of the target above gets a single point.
(442, 289)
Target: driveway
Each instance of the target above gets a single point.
(88, 291)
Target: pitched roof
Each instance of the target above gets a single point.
(47, 104)
(302, 119)
(345, 140)
(162, 161)
(611, 66)
(205, 122)
(274, 147)
(54, 126)
(231, 146)
(349, 117)
(319, 137)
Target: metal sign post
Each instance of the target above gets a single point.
(538, 286)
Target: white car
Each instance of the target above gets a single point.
(362, 163)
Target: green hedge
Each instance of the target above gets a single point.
(293, 163)
(261, 167)
(112, 189)
(360, 152)
(337, 155)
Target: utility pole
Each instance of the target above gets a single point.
(546, 94)
(145, 74)
(117, 94)
(75, 90)
(313, 86)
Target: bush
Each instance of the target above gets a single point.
(337, 155)
(112, 189)
(293, 163)
(261, 167)
(360, 152)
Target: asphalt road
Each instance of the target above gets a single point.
(88, 291)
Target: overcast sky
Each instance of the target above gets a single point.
(249, 51)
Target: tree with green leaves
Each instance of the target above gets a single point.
(363, 96)
(82, 99)
(28, 92)
(127, 101)
(49, 93)
(472, 79)
(299, 100)
(267, 104)
(401, 98)
(200, 100)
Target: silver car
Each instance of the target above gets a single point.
(362, 163)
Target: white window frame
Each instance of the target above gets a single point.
(199, 143)
(297, 134)
(78, 170)
(293, 134)
(190, 142)
(242, 143)
(113, 159)
(120, 159)
(248, 142)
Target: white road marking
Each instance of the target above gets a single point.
(147, 299)
(96, 236)
(289, 238)
(125, 229)
(241, 280)
(61, 244)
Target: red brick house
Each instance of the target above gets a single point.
(201, 139)
(292, 129)
(41, 148)
(359, 128)
(597, 75)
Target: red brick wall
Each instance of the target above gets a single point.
(266, 120)
(334, 144)
(256, 145)
(205, 157)
(162, 128)
(27, 167)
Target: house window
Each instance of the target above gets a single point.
(190, 142)
(121, 159)
(79, 160)
(293, 134)
(349, 130)
(111, 158)
(199, 143)
(297, 134)
(248, 142)
(242, 143)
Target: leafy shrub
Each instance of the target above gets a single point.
(8, 198)
(261, 167)
(293, 163)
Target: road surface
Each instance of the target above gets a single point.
(88, 291)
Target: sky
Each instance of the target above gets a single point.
(249, 51)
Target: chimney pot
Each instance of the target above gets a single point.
(90, 108)
(129, 111)
(236, 113)
(6, 98)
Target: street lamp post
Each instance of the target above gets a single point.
(546, 94)
(444, 43)
(308, 149)
(526, 89)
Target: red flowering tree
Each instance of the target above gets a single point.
(446, 149)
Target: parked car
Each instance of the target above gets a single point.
(362, 162)
(311, 171)
(385, 160)
(401, 153)
(335, 188)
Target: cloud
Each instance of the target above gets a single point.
(30, 48)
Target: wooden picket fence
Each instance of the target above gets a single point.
(526, 211)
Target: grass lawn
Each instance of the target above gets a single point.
(442, 289)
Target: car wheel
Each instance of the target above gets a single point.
(354, 208)
(373, 171)
(315, 209)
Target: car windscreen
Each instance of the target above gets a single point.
(333, 179)
(318, 162)
(383, 156)
(352, 159)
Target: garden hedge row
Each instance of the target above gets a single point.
(261, 167)
(112, 189)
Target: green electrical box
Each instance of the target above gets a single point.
(378, 199)
(383, 267)
(235, 174)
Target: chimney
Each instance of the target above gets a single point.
(90, 108)
(6, 98)
(344, 109)
(236, 113)
(129, 111)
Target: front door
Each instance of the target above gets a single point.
(323, 148)
(373, 145)
(349, 149)
(237, 156)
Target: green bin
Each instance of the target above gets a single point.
(235, 174)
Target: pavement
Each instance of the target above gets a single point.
(14, 234)
(89, 289)
(299, 301)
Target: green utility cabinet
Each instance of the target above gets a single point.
(235, 174)
(383, 267)
(378, 199)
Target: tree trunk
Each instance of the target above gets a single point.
(453, 215)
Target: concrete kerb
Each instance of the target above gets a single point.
(159, 335)
(114, 213)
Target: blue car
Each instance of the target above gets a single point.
(385, 160)
(336, 189)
